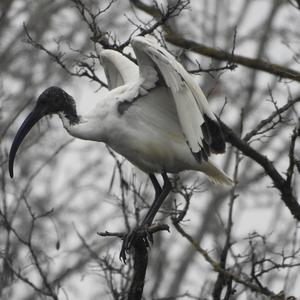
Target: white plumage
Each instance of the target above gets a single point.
(153, 114)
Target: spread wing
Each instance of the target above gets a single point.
(199, 125)
(118, 69)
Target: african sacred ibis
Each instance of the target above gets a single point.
(155, 115)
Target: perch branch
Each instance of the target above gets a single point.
(140, 259)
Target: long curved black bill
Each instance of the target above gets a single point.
(28, 123)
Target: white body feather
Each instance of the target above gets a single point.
(154, 127)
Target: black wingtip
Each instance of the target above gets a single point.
(215, 137)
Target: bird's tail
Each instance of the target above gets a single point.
(215, 174)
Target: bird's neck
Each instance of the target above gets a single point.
(72, 127)
(83, 129)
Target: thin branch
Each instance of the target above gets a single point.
(279, 182)
(290, 170)
(202, 49)
(161, 17)
(269, 119)
(217, 268)
(221, 280)
(230, 65)
(257, 64)
(152, 229)
(87, 71)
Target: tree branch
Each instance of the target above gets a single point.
(269, 119)
(279, 182)
(140, 259)
(290, 170)
(252, 63)
(85, 70)
(217, 268)
(202, 49)
(222, 280)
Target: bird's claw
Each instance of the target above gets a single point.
(138, 235)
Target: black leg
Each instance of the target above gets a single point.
(158, 200)
(141, 233)
(156, 185)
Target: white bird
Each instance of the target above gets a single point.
(155, 115)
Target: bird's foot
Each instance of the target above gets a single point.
(139, 237)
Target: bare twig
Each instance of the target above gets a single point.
(217, 268)
(290, 170)
(140, 259)
(202, 49)
(268, 120)
(222, 280)
(85, 70)
(257, 64)
(279, 182)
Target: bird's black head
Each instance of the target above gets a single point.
(53, 100)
